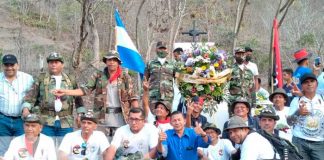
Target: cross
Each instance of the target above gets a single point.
(193, 32)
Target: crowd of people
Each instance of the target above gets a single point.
(45, 117)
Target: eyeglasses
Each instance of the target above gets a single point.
(84, 148)
(134, 120)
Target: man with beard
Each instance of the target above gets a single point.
(253, 146)
(242, 80)
(160, 73)
(13, 87)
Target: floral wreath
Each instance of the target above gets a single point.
(204, 72)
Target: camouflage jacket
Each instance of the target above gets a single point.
(161, 80)
(40, 100)
(241, 83)
(98, 82)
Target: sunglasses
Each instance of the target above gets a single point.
(84, 148)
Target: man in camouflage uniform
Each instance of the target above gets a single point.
(160, 74)
(114, 94)
(56, 112)
(242, 80)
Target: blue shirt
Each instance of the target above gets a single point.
(12, 94)
(185, 147)
(299, 72)
(320, 87)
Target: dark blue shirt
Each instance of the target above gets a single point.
(288, 88)
(185, 147)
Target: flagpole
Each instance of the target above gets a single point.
(272, 59)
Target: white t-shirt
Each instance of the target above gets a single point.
(256, 147)
(95, 146)
(253, 67)
(310, 127)
(283, 121)
(18, 150)
(221, 151)
(143, 141)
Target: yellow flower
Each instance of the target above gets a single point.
(216, 65)
(203, 68)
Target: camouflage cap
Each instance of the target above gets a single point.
(166, 104)
(213, 127)
(110, 55)
(161, 44)
(269, 112)
(54, 56)
(241, 100)
(32, 118)
(89, 116)
(239, 50)
(236, 122)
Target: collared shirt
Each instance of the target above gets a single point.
(12, 94)
(185, 147)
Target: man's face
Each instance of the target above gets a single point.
(136, 122)
(178, 122)
(161, 111)
(278, 100)
(309, 86)
(237, 135)
(241, 110)
(10, 70)
(286, 76)
(197, 107)
(112, 64)
(55, 67)
(267, 124)
(212, 134)
(32, 129)
(88, 127)
(177, 56)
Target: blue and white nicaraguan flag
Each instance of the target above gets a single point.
(128, 53)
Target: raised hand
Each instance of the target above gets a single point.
(199, 130)
(146, 84)
(162, 136)
(303, 109)
(190, 107)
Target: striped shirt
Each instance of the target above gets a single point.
(12, 94)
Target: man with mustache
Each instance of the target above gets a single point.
(13, 87)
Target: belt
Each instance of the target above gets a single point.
(53, 113)
(308, 141)
(12, 117)
(113, 110)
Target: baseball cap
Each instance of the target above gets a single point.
(33, 118)
(161, 44)
(89, 116)
(9, 59)
(307, 76)
(54, 56)
(269, 112)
